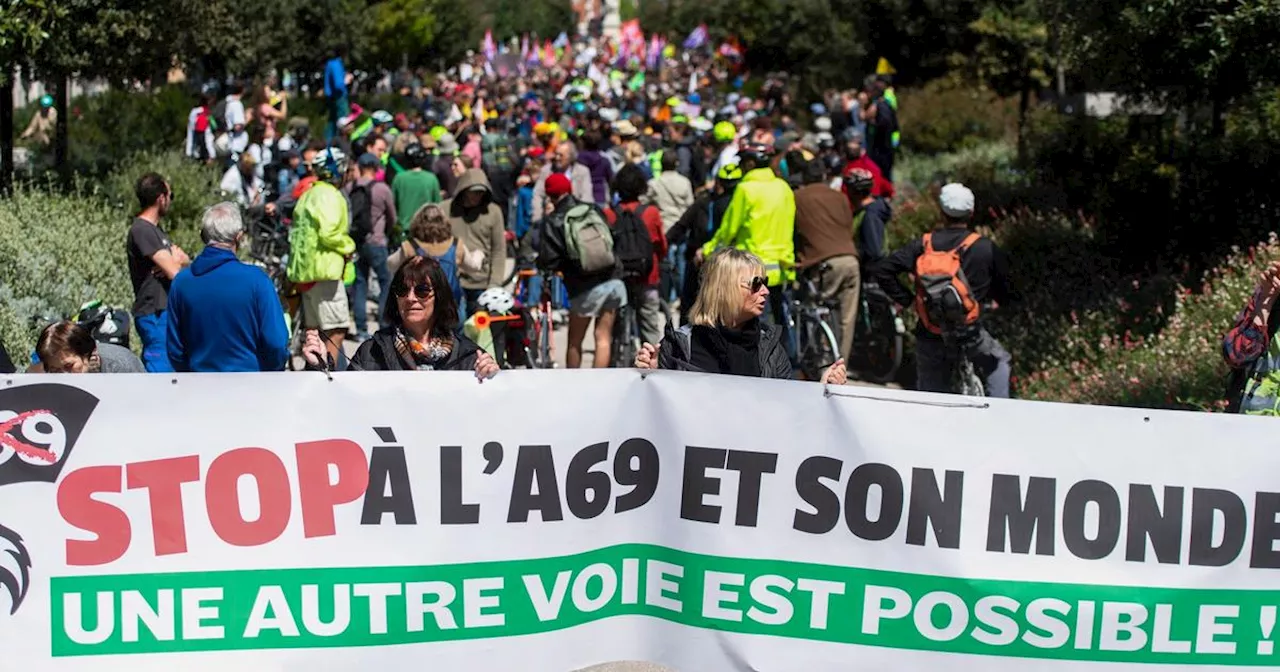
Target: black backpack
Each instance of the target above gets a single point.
(632, 246)
(361, 213)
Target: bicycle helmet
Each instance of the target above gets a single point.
(382, 117)
(833, 163)
(729, 172)
(725, 131)
(329, 163)
(415, 155)
(757, 153)
(826, 141)
(859, 181)
(46, 101)
(496, 300)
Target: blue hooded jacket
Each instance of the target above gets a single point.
(335, 79)
(224, 315)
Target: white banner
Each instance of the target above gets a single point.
(556, 520)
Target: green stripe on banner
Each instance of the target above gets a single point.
(368, 606)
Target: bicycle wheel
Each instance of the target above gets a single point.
(819, 347)
(878, 344)
(539, 348)
(296, 337)
(966, 380)
(623, 353)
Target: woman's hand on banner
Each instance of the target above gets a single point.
(647, 358)
(836, 374)
(313, 349)
(486, 367)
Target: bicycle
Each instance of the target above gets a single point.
(626, 332)
(269, 248)
(537, 326)
(877, 336)
(964, 375)
(815, 325)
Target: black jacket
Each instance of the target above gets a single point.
(699, 223)
(985, 266)
(553, 252)
(674, 352)
(379, 354)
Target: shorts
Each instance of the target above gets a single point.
(325, 306)
(608, 295)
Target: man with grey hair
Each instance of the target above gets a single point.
(225, 315)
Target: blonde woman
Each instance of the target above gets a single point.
(726, 334)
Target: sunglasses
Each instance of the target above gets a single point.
(422, 290)
(756, 284)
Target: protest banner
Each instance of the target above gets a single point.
(555, 520)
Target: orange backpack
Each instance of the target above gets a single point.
(944, 299)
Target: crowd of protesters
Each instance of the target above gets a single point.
(520, 158)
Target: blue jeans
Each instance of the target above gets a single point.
(155, 350)
(470, 302)
(338, 108)
(533, 291)
(372, 258)
(676, 257)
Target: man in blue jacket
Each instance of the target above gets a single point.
(225, 315)
(335, 92)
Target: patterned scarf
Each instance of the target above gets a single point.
(419, 356)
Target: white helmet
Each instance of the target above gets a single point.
(329, 163)
(496, 300)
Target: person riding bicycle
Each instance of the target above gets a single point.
(871, 216)
(630, 185)
(320, 248)
(824, 248)
(983, 273)
(761, 220)
(571, 241)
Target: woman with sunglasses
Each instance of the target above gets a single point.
(423, 334)
(725, 333)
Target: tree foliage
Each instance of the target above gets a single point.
(546, 18)
(1175, 51)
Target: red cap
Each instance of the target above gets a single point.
(558, 185)
(536, 152)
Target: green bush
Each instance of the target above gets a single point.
(195, 187)
(58, 251)
(1181, 366)
(947, 115)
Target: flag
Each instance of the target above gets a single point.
(548, 54)
(697, 38)
(884, 68)
(524, 48)
(562, 41)
(654, 57)
(730, 49)
(488, 47)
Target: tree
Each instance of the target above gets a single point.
(23, 28)
(1012, 52)
(545, 17)
(1177, 52)
(404, 31)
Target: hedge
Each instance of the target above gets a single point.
(58, 251)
